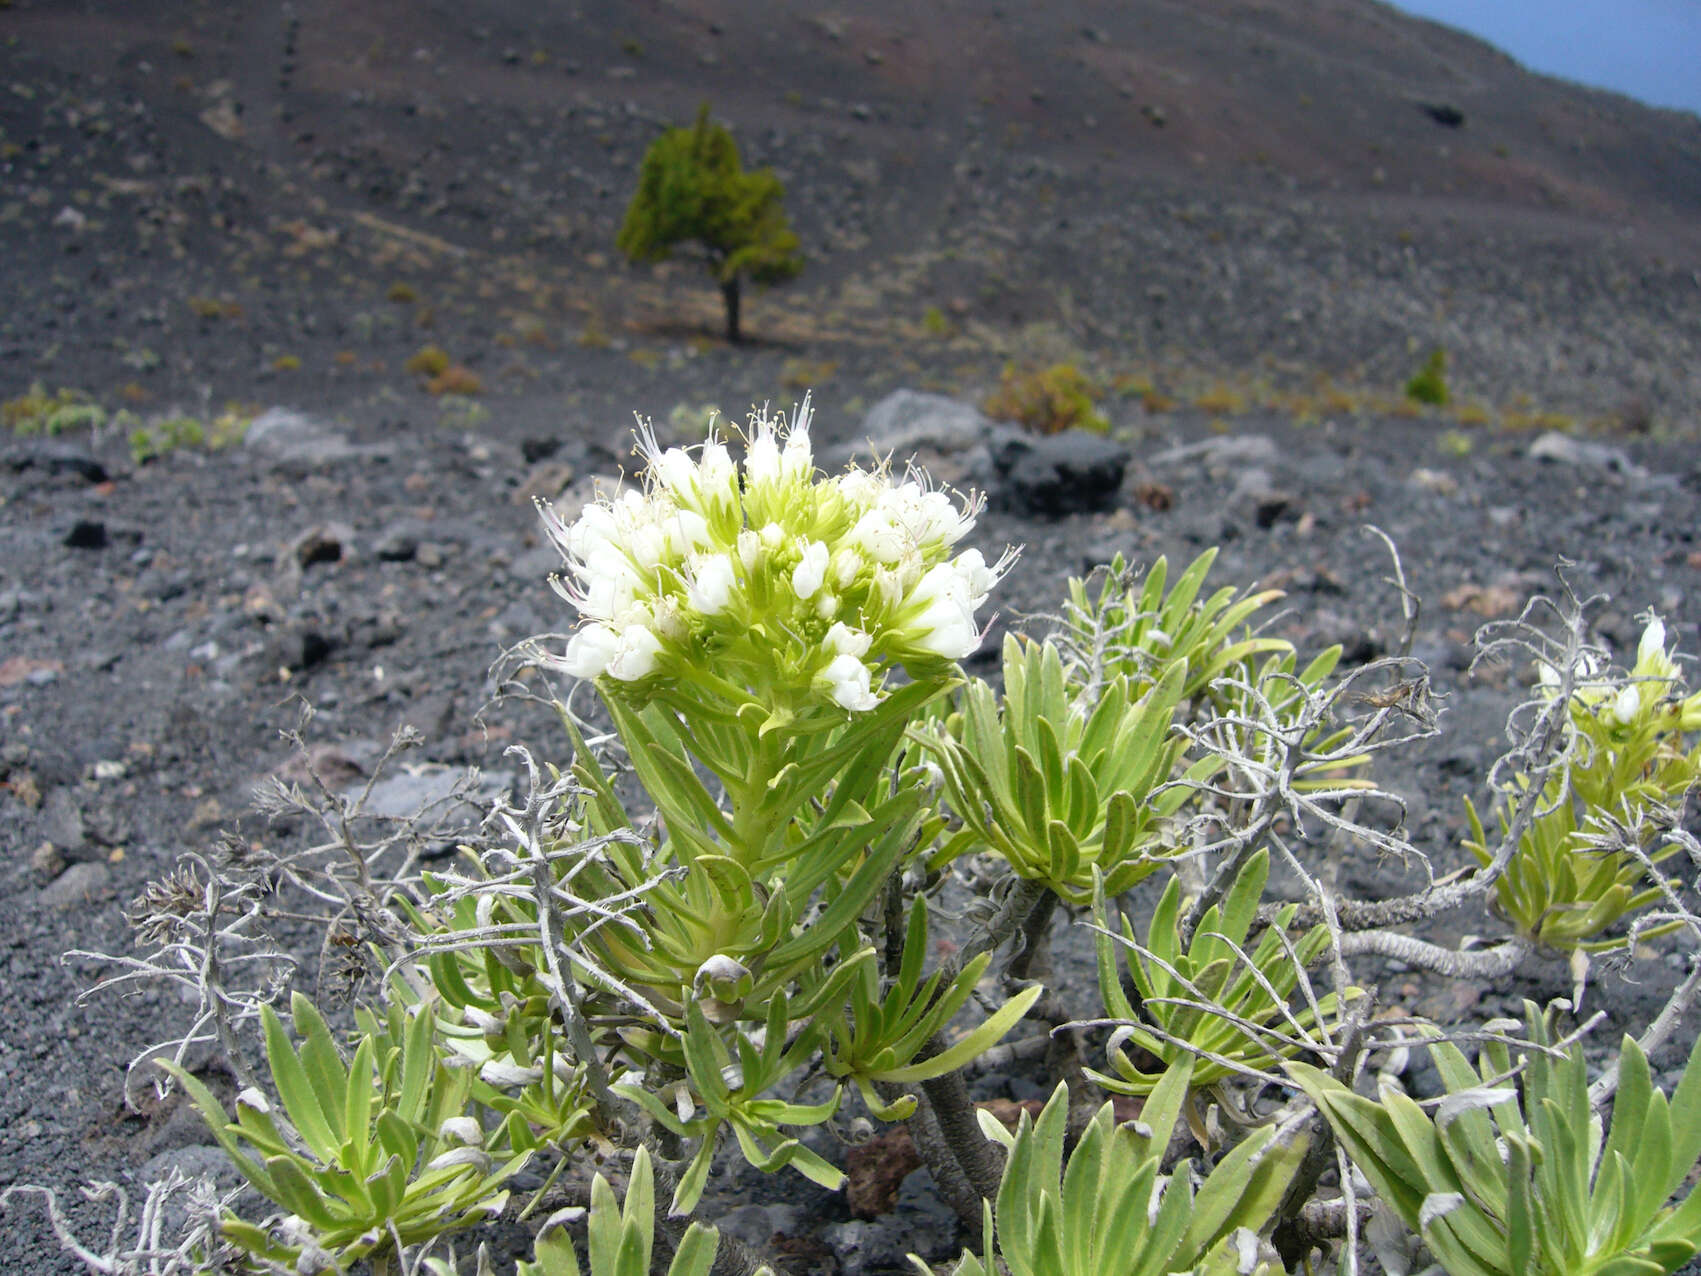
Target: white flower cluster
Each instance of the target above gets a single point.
(776, 577)
(1652, 680)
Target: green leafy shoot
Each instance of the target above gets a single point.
(1222, 999)
(1519, 1181)
(1108, 1211)
(381, 1150)
(1062, 788)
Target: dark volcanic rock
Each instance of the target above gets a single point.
(1050, 475)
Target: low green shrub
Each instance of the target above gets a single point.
(1047, 400)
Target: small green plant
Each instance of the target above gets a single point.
(1070, 794)
(1455, 443)
(1429, 385)
(166, 435)
(1110, 1211)
(456, 380)
(459, 412)
(934, 323)
(429, 361)
(38, 412)
(1046, 400)
(361, 1166)
(693, 189)
(1503, 1181)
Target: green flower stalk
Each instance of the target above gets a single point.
(745, 620)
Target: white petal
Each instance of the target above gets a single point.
(711, 584)
(842, 640)
(635, 657)
(811, 571)
(1627, 705)
(589, 651)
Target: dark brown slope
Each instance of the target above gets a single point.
(1232, 185)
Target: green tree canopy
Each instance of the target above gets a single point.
(693, 189)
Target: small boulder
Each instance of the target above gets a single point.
(293, 440)
(906, 422)
(1554, 446)
(85, 882)
(1052, 475)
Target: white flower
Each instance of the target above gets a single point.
(717, 473)
(797, 465)
(811, 570)
(861, 489)
(711, 581)
(1651, 658)
(676, 472)
(846, 567)
(1653, 642)
(635, 654)
(762, 458)
(749, 549)
(842, 640)
(849, 683)
(879, 536)
(946, 626)
(978, 578)
(589, 651)
(926, 517)
(1627, 705)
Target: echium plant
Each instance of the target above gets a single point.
(742, 624)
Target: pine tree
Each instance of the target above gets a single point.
(693, 189)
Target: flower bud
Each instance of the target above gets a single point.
(811, 570)
(1627, 705)
(724, 977)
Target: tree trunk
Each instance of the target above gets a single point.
(730, 295)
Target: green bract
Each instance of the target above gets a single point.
(1061, 788)
(381, 1150)
(1183, 993)
(1109, 1211)
(1519, 1182)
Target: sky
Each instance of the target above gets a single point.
(1648, 49)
